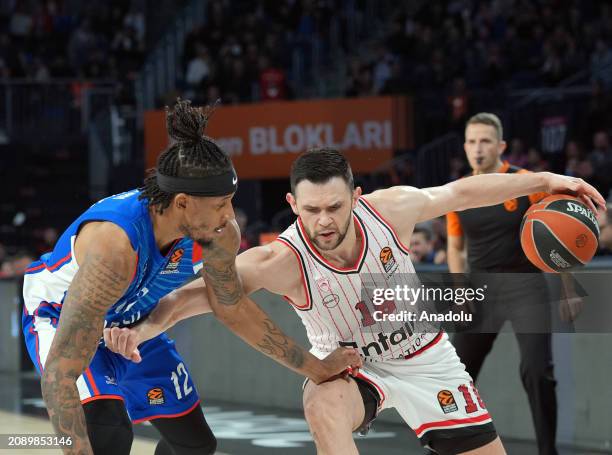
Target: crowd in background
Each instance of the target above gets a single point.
(460, 45)
(244, 51)
(45, 40)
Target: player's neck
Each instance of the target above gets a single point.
(165, 230)
(347, 253)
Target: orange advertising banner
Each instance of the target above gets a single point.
(264, 139)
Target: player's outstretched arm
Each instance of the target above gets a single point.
(241, 315)
(107, 262)
(182, 303)
(405, 206)
(492, 189)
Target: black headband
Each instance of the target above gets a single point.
(216, 185)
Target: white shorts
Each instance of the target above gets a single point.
(431, 391)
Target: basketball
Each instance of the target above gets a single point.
(559, 233)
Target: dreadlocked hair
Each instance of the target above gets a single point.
(190, 154)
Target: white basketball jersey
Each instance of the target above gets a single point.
(338, 312)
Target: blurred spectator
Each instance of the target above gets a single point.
(238, 88)
(601, 63)
(516, 155)
(198, 69)
(535, 162)
(45, 240)
(422, 248)
(21, 21)
(213, 93)
(552, 67)
(382, 67)
(574, 155)
(600, 159)
(272, 81)
(82, 44)
(605, 227)
(242, 220)
(599, 114)
(457, 168)
(16, 265)
(402, 173)
(397, 84)
(360, 83)
(20, 262)
(459, 104)
(601, 152)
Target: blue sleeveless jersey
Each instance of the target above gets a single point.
(47, 281)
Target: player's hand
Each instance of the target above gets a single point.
(124, 341)
(570, 308)
(341, 363)
(561, 184)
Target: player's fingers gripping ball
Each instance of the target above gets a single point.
(560, 233)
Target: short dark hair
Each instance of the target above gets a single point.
(319, 166)
(486, 118)
(426, 233)
(191, 153)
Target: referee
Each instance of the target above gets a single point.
(519, 296)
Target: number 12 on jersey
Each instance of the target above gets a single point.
(182, 371)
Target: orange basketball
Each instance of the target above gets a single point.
(559, 233)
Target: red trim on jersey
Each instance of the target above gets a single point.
(315, 252)
(92, 383)
(60, 262)
(449, 423)
(52, 267)
(427, 346)
(34, 269)
(167, 416)
(303, 277)
(380, 391)
(196, 253)
(102, 397)
(403, 247)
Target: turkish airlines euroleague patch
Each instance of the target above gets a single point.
(156, 396)
(173, 262)
(177, 255)
(387, 260)
(447, 401)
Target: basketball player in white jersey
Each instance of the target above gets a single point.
(340, 241)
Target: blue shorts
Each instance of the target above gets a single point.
(160, 386)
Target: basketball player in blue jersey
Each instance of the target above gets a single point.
(340, 238)
(110, 268)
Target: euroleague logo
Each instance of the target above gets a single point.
(447, 401)
(387, 260)
(156, 396)
(174, 261)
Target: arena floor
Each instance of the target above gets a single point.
(240, 430)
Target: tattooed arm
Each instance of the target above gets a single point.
(106, 263)
(241, 315)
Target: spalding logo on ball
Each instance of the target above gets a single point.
(559, 233)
